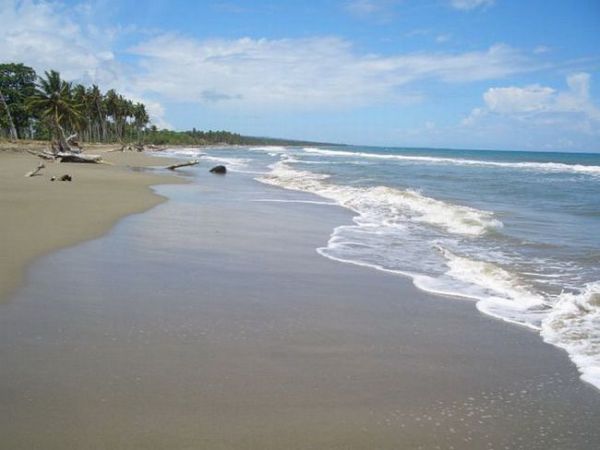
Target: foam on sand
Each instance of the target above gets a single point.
(574, 325)
(435, 243)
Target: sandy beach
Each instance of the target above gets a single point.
(211, 322)
(39, 216)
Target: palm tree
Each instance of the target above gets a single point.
(54, 101)
(141, 118)
(97, 112)
(11, 124)
(111, 104)
(81, 123)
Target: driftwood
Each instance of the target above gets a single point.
(120, 149)
(78, 158)
(35, 171)
(44, 155)
(67, 157)
(193, 162)
(69, 144)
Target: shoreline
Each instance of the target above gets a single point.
(211, 322)
(40, 216)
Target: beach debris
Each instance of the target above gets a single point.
(66, 157)
(221, 170)
(78, 158)
(65, 144)
(35, 171)
(66, 177)
(73, 142)
(53, 178)
(44, 154)
(120, 149)
(193, 162)
(138, 147)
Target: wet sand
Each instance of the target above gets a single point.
(211, 322)
(39, 216)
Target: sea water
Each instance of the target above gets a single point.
(518, 233)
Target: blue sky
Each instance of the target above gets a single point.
(494, 74)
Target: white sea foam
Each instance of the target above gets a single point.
(232, 164)
(271, 149)
(536, 166)
(279, 200)
(501, 294)
(388, 235)
(188, 152)
(574, 325)
(385, 202)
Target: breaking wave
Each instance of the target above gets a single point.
(389, 204)
(536, 166)
(442, 246)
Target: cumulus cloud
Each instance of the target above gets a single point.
(542, 106)
(466, 5)
(272, 74)
(48, 35)
(307, 73)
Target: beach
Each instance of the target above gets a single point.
(210, 321)
(39, 216)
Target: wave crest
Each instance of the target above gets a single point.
(525, 165)
(574, 325)
(386, 203)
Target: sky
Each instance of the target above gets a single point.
(475, 74)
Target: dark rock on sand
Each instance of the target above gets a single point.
(219, 169)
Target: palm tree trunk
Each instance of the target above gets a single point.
(11, 124)
(63, 145)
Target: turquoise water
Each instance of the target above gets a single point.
(516, 232)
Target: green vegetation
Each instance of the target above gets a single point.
(194, 137)
(50, 108)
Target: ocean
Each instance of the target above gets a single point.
(516, 233)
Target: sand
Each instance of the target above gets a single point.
(39, 216)
(210, 322)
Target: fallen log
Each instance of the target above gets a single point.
(120, 149)
(44, 155)
(72, 142)
(193, 162)
(35, 171)
(78, 158)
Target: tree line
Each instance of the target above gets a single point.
(44, 107)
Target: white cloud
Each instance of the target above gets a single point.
(466, 5)
(512, 100)
(541, 107)
(48, 35)
(541, 49)
(378, 9)
(306, 73)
